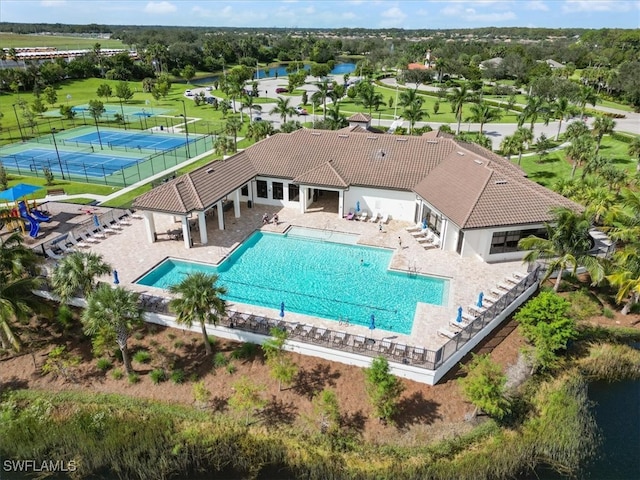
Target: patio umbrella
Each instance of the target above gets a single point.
(372, 322)
(18, 191)
(459, 317)
(282, 309)
(424, 224)
(96, 221)
(358, 206)
(480, 297)
(116, 280)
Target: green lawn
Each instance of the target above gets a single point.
(9, 40)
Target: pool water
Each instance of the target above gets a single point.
(336, 281)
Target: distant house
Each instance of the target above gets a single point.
(478, 203)
(491, 63)
(553, 64)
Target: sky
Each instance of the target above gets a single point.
(407, 14)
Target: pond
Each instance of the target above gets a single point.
(281, 71)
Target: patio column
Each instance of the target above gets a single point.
(202, 226)
(303, 199)
(341, 203)
(186, 232)
(149, 226)
(220, 215)
(236, 203)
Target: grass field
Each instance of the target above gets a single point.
(13, 40)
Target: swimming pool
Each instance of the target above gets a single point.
(336, 281)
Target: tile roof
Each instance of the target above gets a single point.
(359, 117)
(470, 185)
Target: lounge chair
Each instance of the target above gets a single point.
(417, 354)
(415, 228)
(454, 323)
(443, 332)
(76, 243)
(50, 254)
(400, 350)
(385, 346)
(351, 215)
(363, 216)
(374, 217)
(88, 239)
(385, 217)
(133, 215)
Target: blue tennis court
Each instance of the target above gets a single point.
(111, 138)
(70, 163)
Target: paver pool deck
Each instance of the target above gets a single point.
(130, 253)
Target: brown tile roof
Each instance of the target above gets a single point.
(359, 117)
(472, 186)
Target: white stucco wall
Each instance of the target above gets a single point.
(399, 205)
(478, 243)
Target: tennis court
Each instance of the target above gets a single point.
(129, 139)
(70, 163)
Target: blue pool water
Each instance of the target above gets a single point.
(319, 278)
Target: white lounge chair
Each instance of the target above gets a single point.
(50, 254)
(374, 217)
(88, 239)
(133, 215)
(446, 333)
(72, 240)
(363, 216)
(414, 228)
(385, 218)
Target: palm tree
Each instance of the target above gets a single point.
(200, 301)
(626, 276)
(580, 151)
(414, 114)
(249, 103)
(15, 259)
(113, 311)
(76, 274)
(409, 97)
(586, 95)
(602, 126)
(561, 109)
(223, 145)
(482, 113)
(565, 247)
(576, 130)
(510, 146)
(634, 151)
(232, 126)
(96, 109)
(458, 97)
(284, 109)
(524, 137)
(259, 131)
(369, 98)
(321, 95)
(534, 107)
(336, 119)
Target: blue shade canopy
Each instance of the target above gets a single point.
(19, 191)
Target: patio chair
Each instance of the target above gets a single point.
(351, 215)
(82, 244)
(443, 332)
(133, 215)
(459, 325)
(358, 342)
(374, 217)
(50, 254)
(339, 338)
(414, 228)
(87, 238)
(385, 217)
(417, 354)
(385, 346)
(363, 216)
(400, 350)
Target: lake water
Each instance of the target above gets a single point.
(281, 71)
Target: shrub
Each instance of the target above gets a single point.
(177, 376)
(245, 351)
(178, 344)
(582, 305)
(231, 369)
(142, 356)
(134, 378)
(138, 335)
(608, 313)
(158, 376)
(117, 374)
(213, 341)
(104, 364)
(200, 392)
(219, 360)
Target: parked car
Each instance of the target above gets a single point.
(301, 110)
(257, 119)
(251, 93)
(188, 93)
(208, 89)
(282, 90)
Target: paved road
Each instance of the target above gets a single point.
(495, 131)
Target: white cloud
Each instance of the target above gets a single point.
(393, 17)
(310, 10)
(537, 5)
(573, 6)
(160, 7)
(451, 10)
(52, 3)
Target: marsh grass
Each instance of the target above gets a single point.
(611, 362)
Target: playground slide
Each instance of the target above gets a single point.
(41, 217)
(34, 224)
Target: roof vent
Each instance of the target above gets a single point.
(210, 170)
(479, 162)
(372, 138)
(461, 154)
(342, 135)
(432, 141)
(317, 134)
(501, 182)
(402, 139)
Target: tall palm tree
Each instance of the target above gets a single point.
(200, 301)
(77, 273)
(320, 96)
(259, 131)
(532, 110)
(96, 110)
(369, 98)
(15, 258)
(249, 103)
(231, 127)
(284, 109)
(414, 113)
(586, 95)
(565, 247)
(409, 97)
(458, 97)
(576, 130)
(482, 113)
(561, 109)
(580, 151)
(336, 119)
(113, 311)
(634, 151)
(511, 145)
(602, 126)
(524, 137)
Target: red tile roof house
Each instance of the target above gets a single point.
(478, 203)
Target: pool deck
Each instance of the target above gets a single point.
(130, 253)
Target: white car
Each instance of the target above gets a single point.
(188, 93)
(208, 89)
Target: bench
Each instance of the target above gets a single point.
(55, 191)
